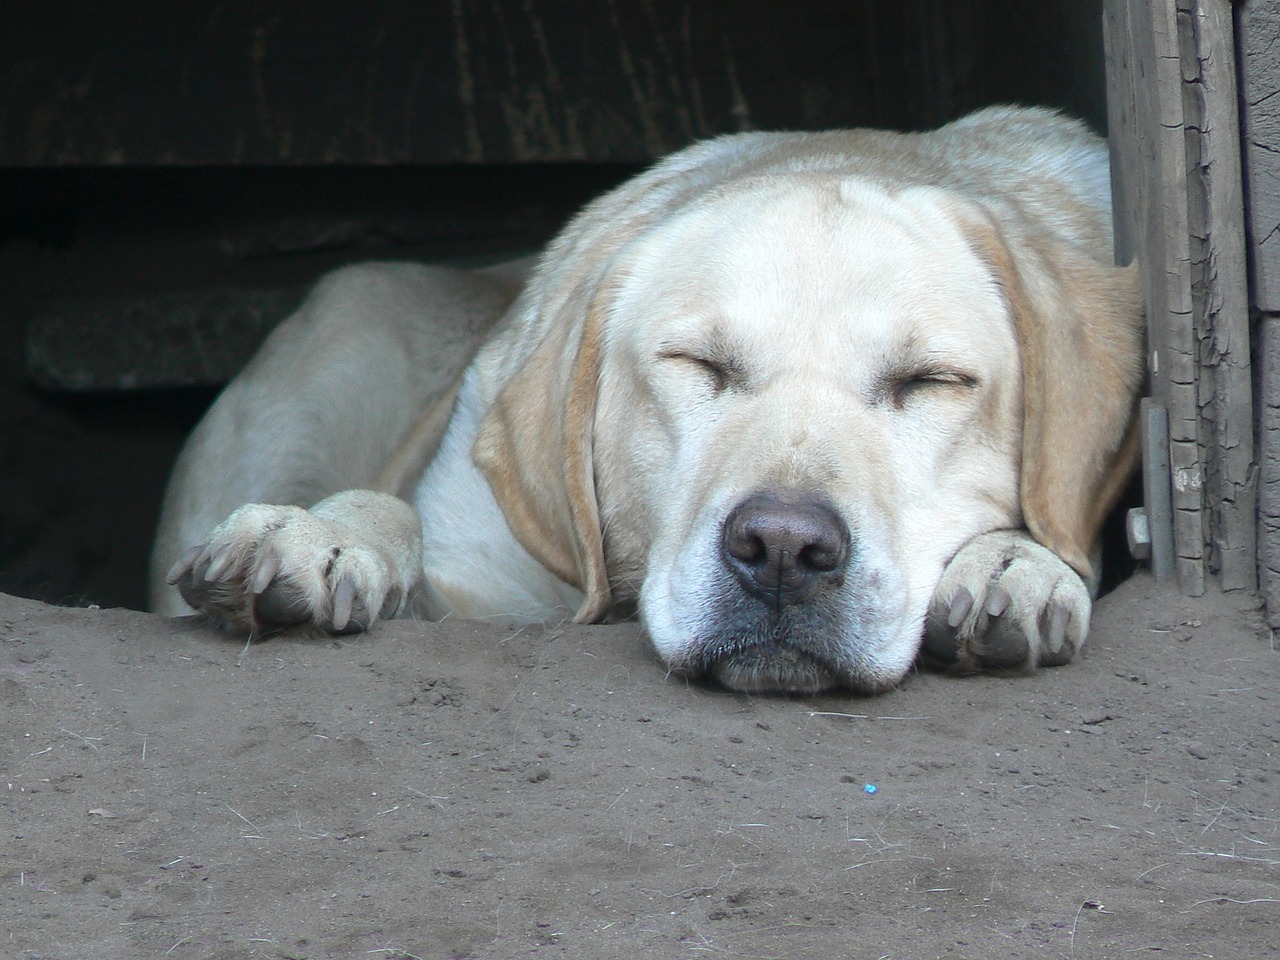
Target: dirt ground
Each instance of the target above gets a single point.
(462, 790)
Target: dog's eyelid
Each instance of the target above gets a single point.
(899, 386)
(722, 370)
(927, 370)
(957, 377)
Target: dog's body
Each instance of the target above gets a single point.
(803, 399)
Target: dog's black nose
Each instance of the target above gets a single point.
(784, 544)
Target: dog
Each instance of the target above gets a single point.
(812, 405)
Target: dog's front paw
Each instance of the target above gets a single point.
(267, 567)
(1006, 602)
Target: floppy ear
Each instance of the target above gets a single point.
(534, 443)
(1079, 325)
(534, 446)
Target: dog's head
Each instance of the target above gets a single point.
(771, 406)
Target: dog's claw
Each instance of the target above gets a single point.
(1057, 633)
(941, 642)
(219, 564)
(998, 602)
(344, 596)
(1059, 646)
(961, 604)
(184, 564)
(268, 567)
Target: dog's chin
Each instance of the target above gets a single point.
(774, 669)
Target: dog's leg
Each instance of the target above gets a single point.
(1006, 602)
(321, 409)
(352, 559)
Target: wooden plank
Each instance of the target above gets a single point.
(1155, 474)
(1219, 288)
(294, 82)
(399, 81)
(1145, 112)
(1179, 211)
(1258, 52)
(1268, 352)
(1259, 58)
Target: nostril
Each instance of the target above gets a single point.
(822, 558)
(746, 547)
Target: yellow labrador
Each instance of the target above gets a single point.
(806, 401)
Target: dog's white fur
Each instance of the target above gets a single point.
(918, 338)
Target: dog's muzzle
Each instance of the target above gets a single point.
(787, 552)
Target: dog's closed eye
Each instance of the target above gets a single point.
(718, 369)
(902, 389)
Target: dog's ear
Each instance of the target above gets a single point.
(535, 441)
(534, 446)
(1079, 324)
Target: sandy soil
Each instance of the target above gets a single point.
(460, 790)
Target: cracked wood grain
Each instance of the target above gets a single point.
(1148, 157)
(1219, 288)
(1259, 31)
(1179, 211)
(1259, 52)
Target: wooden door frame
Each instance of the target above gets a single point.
(1173, 121)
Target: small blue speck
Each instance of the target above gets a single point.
(870, 788)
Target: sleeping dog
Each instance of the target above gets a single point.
(805, 401)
